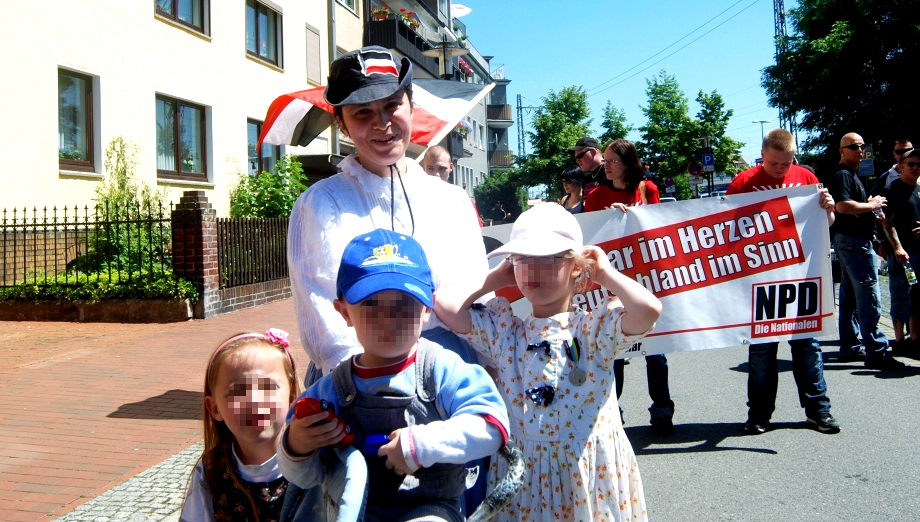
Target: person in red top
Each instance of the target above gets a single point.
(625, 185)
(777, 171)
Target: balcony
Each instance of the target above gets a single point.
(501, 158)
(393, 34)
(499, 116)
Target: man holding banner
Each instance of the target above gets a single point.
(777, 171)
(853, 231)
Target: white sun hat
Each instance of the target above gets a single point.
(545, 229)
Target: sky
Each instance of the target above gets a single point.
(611, 48)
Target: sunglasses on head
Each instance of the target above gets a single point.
(902, 151)
(854, 146)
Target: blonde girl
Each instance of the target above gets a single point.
(249, 384)
(555, 368)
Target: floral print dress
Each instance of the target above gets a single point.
(579, 463)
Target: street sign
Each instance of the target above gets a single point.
(694, 169)
(708, 160)
(696, 180)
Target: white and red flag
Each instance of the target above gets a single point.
(299, 117)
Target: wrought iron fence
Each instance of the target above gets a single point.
(251, 250)
(74, 245)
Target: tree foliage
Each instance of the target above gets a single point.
(558, 123)
(614, 124)
(500, 187)
(712, 120)
(269, 194)
(847, 67)
(668, 141)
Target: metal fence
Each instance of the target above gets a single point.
(74, 245)
(251, 250)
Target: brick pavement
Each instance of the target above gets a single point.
(86, 406)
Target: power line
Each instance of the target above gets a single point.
(678, 50)
(672, 44)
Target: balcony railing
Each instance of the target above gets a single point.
(393, 34)
(501, 158)
(498, 115)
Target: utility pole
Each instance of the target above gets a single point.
(786, 116)
(520, 125)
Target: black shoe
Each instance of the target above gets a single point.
(906, 348)
(825, 423)
(755, 427)
(851, 354)
(662, 426)
(885, 363)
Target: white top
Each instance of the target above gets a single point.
(335, 210)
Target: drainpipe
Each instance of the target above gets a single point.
(330, 30)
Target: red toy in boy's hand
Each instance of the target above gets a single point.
(305, 406)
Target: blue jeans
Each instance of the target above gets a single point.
(656, 371)
(899, 291)
(859, 291)
(807, 370)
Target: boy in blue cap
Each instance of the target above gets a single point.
(432, 411)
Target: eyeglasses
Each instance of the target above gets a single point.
(582, 154)
(516, 260)
(854, 146)
(613, 161)
(913, 164)
(902, 151)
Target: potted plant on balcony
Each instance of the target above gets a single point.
(408, 18)
(464, 67)
(462, 128)
(381, 13)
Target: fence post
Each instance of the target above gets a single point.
(194, 243)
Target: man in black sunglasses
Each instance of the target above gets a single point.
(903, 213)
(853, 232)
(589, 158)
(898, 289)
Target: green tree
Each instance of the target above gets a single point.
(712, 122)
(558, 123)
(845, 67)
(668, 142)
(269, 194)
(499, 186)
(614, 124)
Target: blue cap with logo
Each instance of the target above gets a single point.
(384, 260)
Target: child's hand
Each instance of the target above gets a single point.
(392, 451)
(500, 276)
(601, 263)
(303, 438)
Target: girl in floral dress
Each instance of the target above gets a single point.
(555, 368)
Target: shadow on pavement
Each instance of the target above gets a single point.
(174, 404)
(709, 437)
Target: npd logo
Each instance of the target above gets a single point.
(788, 307)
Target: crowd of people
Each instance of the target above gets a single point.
(419, 374)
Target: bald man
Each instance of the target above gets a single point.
(853, 232)
(437, 163)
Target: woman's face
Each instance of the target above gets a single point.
(380, 130)
(613, 166)
(570, 187)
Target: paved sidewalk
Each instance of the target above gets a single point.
(86, 406)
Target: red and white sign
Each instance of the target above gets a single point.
(744, 268)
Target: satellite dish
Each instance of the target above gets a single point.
(458, 10)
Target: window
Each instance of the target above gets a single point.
(270, 153)
(75, 121)
(263, 32)
(482, 134)
(193, 13)
(314, 61)
(180, 140)
(348, 3)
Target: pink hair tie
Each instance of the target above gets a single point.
(275, 336)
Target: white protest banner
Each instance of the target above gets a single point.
(729, 271)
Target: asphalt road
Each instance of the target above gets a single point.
(711, 470)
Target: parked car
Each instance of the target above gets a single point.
(667, 199)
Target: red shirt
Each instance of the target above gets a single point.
(603, 196)
(756, 179)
